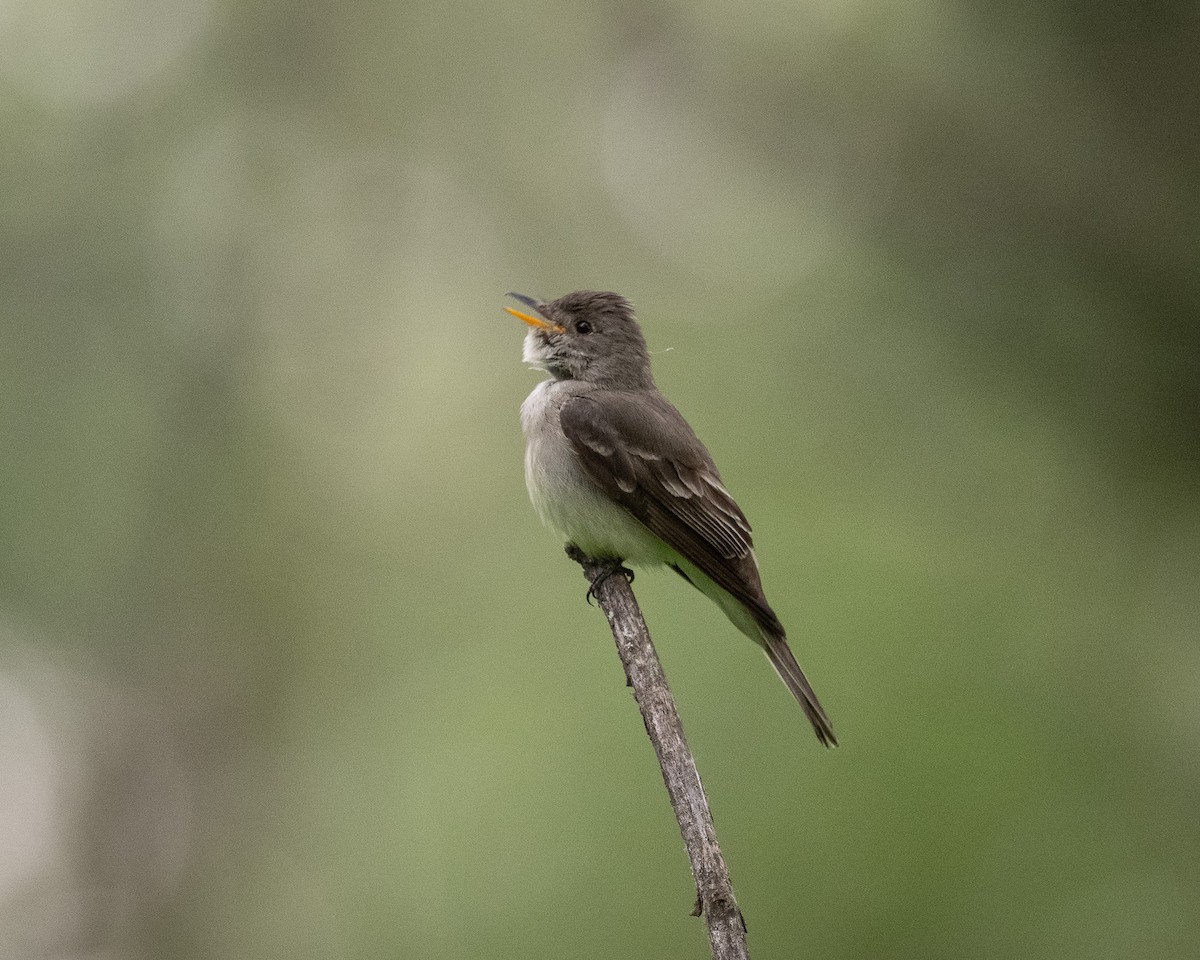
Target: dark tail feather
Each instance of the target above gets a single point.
(793, 677)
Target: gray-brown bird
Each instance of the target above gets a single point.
(615, 468)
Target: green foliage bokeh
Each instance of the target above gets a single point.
(288, 667)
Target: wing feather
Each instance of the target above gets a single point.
(640, 450)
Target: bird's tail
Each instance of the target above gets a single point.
(780, 655)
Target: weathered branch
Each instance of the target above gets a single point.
(714, 892)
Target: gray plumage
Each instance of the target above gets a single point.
(615, 468)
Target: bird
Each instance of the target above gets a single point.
(614, 467)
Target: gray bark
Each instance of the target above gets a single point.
(714, 892)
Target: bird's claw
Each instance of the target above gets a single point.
(616, 567)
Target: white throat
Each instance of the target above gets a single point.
(535, 351)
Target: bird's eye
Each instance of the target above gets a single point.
(583, 327)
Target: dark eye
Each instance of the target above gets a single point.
(583, 327)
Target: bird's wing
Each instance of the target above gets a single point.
(642, 453)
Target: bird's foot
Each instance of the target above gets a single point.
(611, 567)
(605, 567)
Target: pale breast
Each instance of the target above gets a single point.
(566, 498)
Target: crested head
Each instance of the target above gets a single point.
(591, 336)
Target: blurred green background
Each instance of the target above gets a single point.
(288, 667)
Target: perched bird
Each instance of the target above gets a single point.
(615, 468)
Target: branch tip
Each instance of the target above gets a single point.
(644, 673)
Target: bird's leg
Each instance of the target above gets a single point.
(608, 566)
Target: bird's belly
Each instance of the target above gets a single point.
(568, 500)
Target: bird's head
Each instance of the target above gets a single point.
(586, 335)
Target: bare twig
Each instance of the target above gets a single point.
(714, 892)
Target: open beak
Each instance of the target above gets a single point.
(532, 320)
